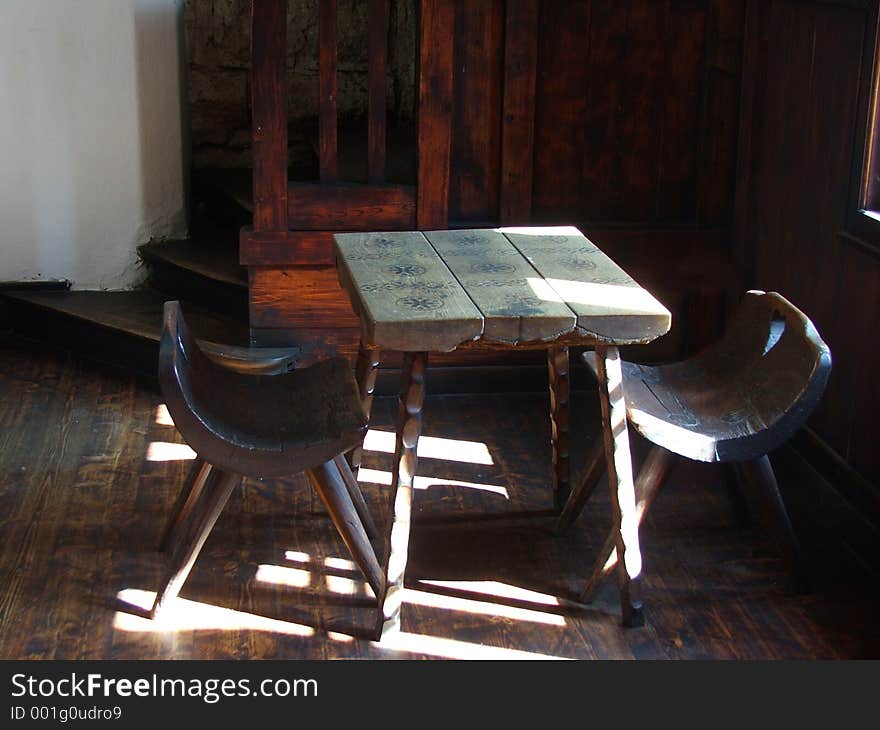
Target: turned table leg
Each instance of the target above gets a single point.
(560, 391)
(620, 482)
(409, 426)
(366, 369)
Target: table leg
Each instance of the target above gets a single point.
(409, 426)
(620, 482)
(560, 390)
(366, 369)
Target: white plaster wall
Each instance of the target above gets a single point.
(91, 144)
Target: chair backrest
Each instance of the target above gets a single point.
(187, 377)
(253, 423)
(772, 360)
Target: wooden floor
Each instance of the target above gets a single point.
(90, 468)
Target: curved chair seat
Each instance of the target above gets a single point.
(262, 425)
(736, 402)
(257, 361)
(243, 417)
(741, 398)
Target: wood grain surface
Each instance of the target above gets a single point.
(608, 303)
(496, 278)
(405, 295)
(525, 286)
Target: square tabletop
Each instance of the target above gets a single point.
(436, 290)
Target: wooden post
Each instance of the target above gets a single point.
(378, 61)
(327, 105)
(269, 104)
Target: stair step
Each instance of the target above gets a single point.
(119, 328)
(205, 272)
(207, 259)
(217, 187)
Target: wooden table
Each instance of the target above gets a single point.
(546, 288)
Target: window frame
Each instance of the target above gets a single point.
(864, 210)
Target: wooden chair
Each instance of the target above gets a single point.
(733, 403)
(258, 425)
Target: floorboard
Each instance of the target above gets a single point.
(89, 468)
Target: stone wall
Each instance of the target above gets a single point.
(218, 49)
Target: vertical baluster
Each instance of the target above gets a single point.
(327, 107)
(378, 50)
(269, 104)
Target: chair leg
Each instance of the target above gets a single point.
(217, 489)
(733, 487)
(580, 494)
(186, 502)
(758, 475)
(330, 485)
(357, 497)
(654, 472)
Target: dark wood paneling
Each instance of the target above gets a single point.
(437, 24)
(802, 84)
(719, 124)
(561, 119)
(476, 139)
(636, 108)
(518, 119)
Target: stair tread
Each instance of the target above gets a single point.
(137, 313)
(206, 258)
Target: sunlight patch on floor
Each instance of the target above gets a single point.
(480, 607)
(167, 451)
(185, 615)
(433, 447)
(161, 416)
(376, 476)
(495, 588)
(453, 648)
